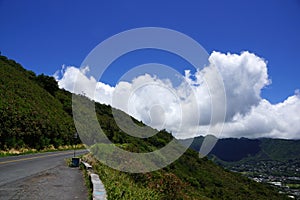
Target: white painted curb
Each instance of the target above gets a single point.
(99, 192)
(86, 165)
(98, 188)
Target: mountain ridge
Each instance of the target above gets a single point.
(236, 149)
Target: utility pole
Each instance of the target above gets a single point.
(75, 138)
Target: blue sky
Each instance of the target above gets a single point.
(43, 35)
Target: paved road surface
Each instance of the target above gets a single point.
(41, 176)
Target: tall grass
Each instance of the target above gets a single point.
(119, 185)
(22, 151)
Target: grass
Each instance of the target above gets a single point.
(51, 148)
(293, 185)
(187, 178)
(119, 186)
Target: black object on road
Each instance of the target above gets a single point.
(75, 162)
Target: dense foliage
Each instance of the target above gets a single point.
(32, 109)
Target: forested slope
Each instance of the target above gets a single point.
(31, 116)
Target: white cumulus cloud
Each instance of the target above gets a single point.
(87, 86)
(185, 110)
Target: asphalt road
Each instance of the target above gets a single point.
(41, 176)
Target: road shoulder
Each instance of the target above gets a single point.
(60, 182)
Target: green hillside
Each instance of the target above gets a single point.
(35, 113)
(31, 116)
(279, 149)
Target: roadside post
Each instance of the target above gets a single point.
(74, 143)
(75, 161)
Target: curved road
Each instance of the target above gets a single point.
(41, 176)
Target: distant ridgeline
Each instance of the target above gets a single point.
(234, 149)
(35, 113)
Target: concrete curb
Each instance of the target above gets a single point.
(99, 192)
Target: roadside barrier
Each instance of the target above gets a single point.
(99, 192)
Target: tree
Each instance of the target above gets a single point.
(48, 83)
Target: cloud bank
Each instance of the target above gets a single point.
(161, 105)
